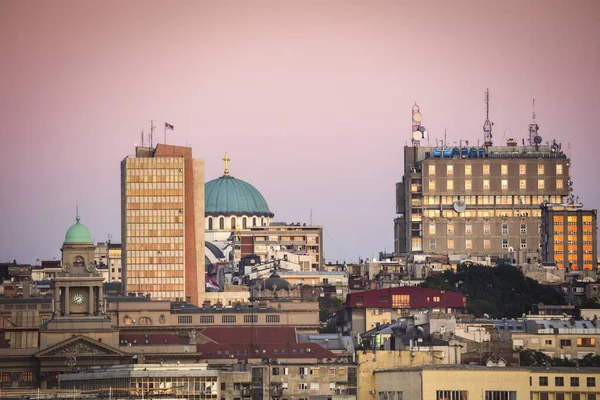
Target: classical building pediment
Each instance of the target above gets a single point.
(80, 346)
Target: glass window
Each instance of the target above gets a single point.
(468, 244)
(522, 169)
(574, 381)
(432, 184)
(450, 169)
(450, 244)
(505, 243)
(450, 395)
(559, 169)
(504, 169)
(559, 183)
(486, 228)
(540, 183)
(450, 228)
(486, 169)
(432, 170)
(523, 243)
(468, 229)
(591, 381)
(432, 244)
(486, 184)
(522, 184)
(467, 169)
(504, 184)
(543, 381)
(541, 169)
(559, 381)
(432, 229)
(450, 184)
(486, 244)
(468, 184)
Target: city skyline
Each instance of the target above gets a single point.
(311, 100)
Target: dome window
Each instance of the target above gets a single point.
(221, 223)
(232, 222)
(253, 221)
(210, 223)
(244, 223)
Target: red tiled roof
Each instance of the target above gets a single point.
(152, 338)
(258, 342)
(247, 335)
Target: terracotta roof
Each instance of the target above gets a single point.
(258, 342)
(153, 339)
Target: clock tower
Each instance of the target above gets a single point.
(78, 297)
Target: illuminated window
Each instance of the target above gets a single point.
(559, 183)
(467, 184)
(540, 183)
(468, 169)
(468, 244)
(432, 184)
(400, 300)
(450, 228)
(523, 184)
(486, 184)
(450, 169)
(559, 169)
(504, 184)
(468, 229)
(450, 244)
(432, 229)
(486, 228)
(450, 184)
(504, 169)
(522, 169)
(486, 244)
(486, 169)
(432, 170)
(541, 169)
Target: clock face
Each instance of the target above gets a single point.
(78, 299)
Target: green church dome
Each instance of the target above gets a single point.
(78, 233)
(230, 196)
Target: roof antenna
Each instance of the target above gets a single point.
(487, 125)
(534, 138)
(142, 136)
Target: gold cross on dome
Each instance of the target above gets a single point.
(226, 159)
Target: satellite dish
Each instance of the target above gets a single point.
(417, 117)
(486, 316)
(537, 139)
(417, 135)
(423, 131)
(459, 206)
(511, 249)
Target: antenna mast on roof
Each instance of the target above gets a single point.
(487, 125)
(142, 137)
(533, 129)
(152, 126)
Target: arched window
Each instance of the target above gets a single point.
(221, 223)
(253, 221)
(210, 223)
(232, 222)
(144, 321)
(244, 223)
(78, 261)
(262, 222)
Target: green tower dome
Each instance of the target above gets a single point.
(230, 196)
(78, 233)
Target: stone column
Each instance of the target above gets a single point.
(91, 301)
(67, 301)
(56, 309)
(100, 299)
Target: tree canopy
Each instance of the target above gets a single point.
(501, 291)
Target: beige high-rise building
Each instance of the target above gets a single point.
(162, 223)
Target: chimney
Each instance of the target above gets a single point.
(26, 289)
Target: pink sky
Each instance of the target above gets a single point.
(311, 99)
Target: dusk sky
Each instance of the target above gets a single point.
(311, 99)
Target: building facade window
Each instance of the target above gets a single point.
(543, 381)
(559, 381)
(468, 244)
(486, 184)
(500, 395)
(207, 319)
(273, 319)
(431, 184)
(505, 229)
(451, 395)
(210, 223)
(450, 184)
(541, 184)
(504, 184)
(559, 169)
(541, 169)
(432, 169)
(450, 170)
(184, 319)
(522, 184)
(523, 243)
(221, 223)
(522, 169)
(505, 243)
(432, 228)
(468, 169)
(468, 229)
(559, 183)
(468, 184)
(504, 169)
(574, 381)
(450, 244)
(486, 169)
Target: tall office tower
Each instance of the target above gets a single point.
(162, 223)
(569, 236)
(477, 201)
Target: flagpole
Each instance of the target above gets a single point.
(165, 133)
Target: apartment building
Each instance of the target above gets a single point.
(478, 201)
(569, 236)
(162, 223)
